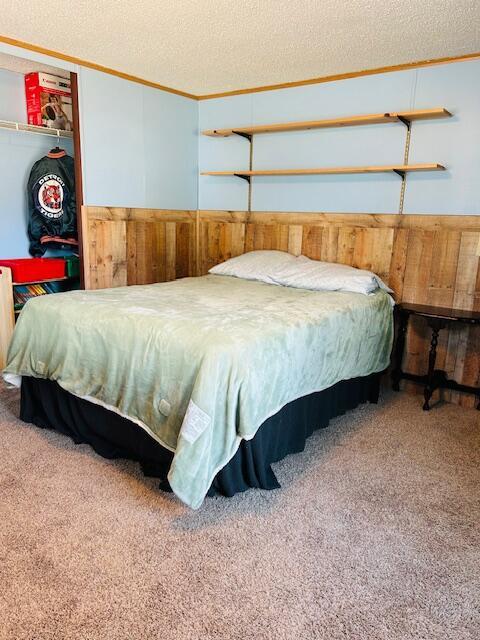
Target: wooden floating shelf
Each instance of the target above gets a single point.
(401, 168)
(351, 121)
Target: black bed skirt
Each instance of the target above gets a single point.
(47, 405)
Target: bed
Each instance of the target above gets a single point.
(206, 381)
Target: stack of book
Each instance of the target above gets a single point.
(23, 293)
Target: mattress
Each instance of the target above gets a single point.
(200, 363)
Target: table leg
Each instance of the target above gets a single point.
(427, 394)
(399, 349)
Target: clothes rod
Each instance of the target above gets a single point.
(31, 128)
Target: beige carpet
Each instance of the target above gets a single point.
(374, 535)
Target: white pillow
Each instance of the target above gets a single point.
(304, 273)
(255, 265)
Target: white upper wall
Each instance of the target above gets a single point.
(453, 142)
(139, 144)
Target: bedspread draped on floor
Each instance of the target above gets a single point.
(46, 404)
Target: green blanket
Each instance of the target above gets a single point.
(200, 363)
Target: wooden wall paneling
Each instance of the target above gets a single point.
(345, 245)
(170, 250)
(159, 266)
(312, 241)
(185, 250)
(131, 253)
(282, 237)
(441, 287)
(91, 243)
(463, 346)
(415, 289)
(330, 243)
(238, 238)
(137, 246)
(139, 252)
(213, 249)
(253, 236)
(104, 252)
(469, 369)
(373, 250)
(295, 235)
(366, 220)
(466, 287)
(118, 252)
(425, 259)
(443, 270)
(399, 261)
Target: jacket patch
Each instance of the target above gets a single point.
(49, 193)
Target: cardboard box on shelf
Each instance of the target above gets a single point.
(49, 100)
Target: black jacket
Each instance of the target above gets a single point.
(51, 202)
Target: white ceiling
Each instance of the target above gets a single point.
(208, 46)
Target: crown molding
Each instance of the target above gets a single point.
(210, 96)
(342, 76)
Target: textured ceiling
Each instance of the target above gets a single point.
(24, 66)
(208, 46)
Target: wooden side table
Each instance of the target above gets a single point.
(437, 319)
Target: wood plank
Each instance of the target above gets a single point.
(461, 348)
(131, 253)
(330, 243)
(399, 261)
(426, 166)
(373, 250)
(367, 220)
(7, 316)
(295, 236)
(348, 121)
(146, 215)
(170, 250)
(312, 241)
(346, 245)
(86, 258)
(160, 243)
(119, 254)
(183, 254)
(238, 239)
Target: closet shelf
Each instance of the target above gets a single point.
(351, 121)
(400, 169)
(22, 284)
(31, 128)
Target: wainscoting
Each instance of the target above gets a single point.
(424, 258)
(137, 246)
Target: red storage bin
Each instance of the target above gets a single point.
(35, 269)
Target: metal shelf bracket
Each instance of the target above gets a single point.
(243, 176)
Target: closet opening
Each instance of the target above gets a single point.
(41, 192)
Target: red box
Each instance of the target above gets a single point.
(35, 269)
(49, 100)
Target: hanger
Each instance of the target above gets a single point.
(57, 149)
